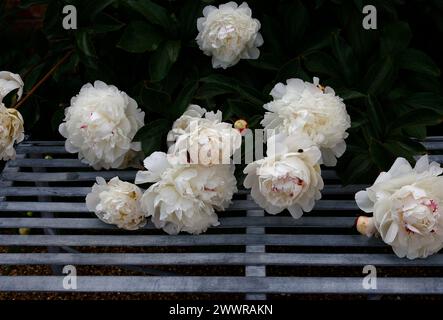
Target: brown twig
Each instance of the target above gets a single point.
(42, 80)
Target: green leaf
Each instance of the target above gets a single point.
(155, 100)
(264, 62)
(418, 61)
(270, 31)
(356, 168)
(345, 56)
(423, 83)
(319, 3)
(317, 41)
(321, 63)
(105, 23)
(184, 98)
(361, 40)
(244, 109)
(404, 147)
(425, 100)
(95, 7)
(395, 37)
(358, 123)
(84, 43)
(140, 37)
(210, 90)
(295, 19)
(423, 117)
(380, 76)
(418, 132)
(379, 154)
(413, 146)
(67, 67)
(375, 115)
(33, 76)
(162, 59)
(235, 86)
(53, 19)
(349, 94)
(152, 135)
(292, 69)
(153, 12)
(86, 49)
(359, 5)
(57, 119)
(396, 149)
(24, 4)
(187, 17)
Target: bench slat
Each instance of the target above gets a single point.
(90, 176)
(276, 259)
(28, 149)
(83, 191)
(191, 240)
(46, 191)
(67, 176)
(237, 205)
(324, 285)
(237, 222)
(43, 143)
(433, 145)
(48, 163)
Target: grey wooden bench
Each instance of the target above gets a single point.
(250, 253)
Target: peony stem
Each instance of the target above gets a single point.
(42, 80)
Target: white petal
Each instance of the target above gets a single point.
(422, 164)
(363, 201)
(392, 233)
(296, 211)
(8, 82)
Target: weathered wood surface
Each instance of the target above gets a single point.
(305, 285)
(326, 237)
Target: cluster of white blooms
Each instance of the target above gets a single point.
(229, 33)
(200, 137)
(311, 112)
(407, 210)
(184, 196)
(185, 193)
(100, 124)
(305, 126)
(308, 124)
(196, 177)
(11, 121)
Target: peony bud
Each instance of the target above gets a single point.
(365, 225)
(241, 125)
(24, 231)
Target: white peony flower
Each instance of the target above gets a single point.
(229, 33)
(117, 202)
(407, 204)
(11, 121)
(8, 82)
(309, 111)
(203, 140)
(11, 131)
(100, 125)
(214, 185)
(183, 197)
(175, 212)
(290, 180)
